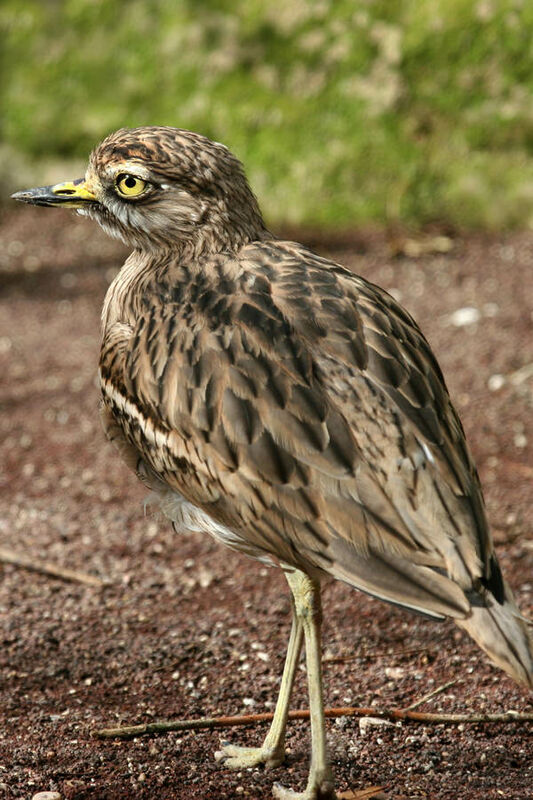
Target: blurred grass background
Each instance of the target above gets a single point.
(344, 113)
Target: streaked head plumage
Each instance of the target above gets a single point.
(163, 188)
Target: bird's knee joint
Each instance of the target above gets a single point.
(306, 596)
(308, 607)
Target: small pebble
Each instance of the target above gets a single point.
(368, 722)
(394, 673)
(464, 316)
(495, 382)
(46, 796)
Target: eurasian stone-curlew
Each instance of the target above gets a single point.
(284, 405)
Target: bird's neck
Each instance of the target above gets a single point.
(192, 248)
(143, 271)
(126, 290)
(219, 238)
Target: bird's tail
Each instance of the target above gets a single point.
(502, 632)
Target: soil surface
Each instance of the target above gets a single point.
(182, 627)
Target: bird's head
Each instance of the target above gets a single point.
(162, 188)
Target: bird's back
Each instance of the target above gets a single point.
(290, 374)
(296, 411)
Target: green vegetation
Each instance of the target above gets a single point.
(343, 111)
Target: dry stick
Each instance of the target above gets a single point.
(431, 694)
(46, 568)
(404, 651)
(128, 732)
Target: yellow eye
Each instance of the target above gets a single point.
(129, 185)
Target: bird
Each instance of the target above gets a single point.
(291, 409)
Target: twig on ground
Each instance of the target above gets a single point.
(129, 732)
(431, 694)
(363, 794)
(404, 651)
(46, 568)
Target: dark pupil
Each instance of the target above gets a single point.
(130, 182)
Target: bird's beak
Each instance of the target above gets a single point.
(70, 194)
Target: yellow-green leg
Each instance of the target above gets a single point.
(306, 593)
(272, 751)
(306, 622)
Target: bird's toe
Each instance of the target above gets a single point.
(236, 757)
(313, 791)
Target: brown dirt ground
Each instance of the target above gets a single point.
(187, 629)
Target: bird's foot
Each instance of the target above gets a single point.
(235, 757)
(315, 790)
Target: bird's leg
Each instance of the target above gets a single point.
(272, 751)
(306, 593)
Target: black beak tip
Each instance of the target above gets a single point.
(23, 196)
(32, 196)
(41, 196)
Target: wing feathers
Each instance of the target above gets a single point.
(301, 406)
